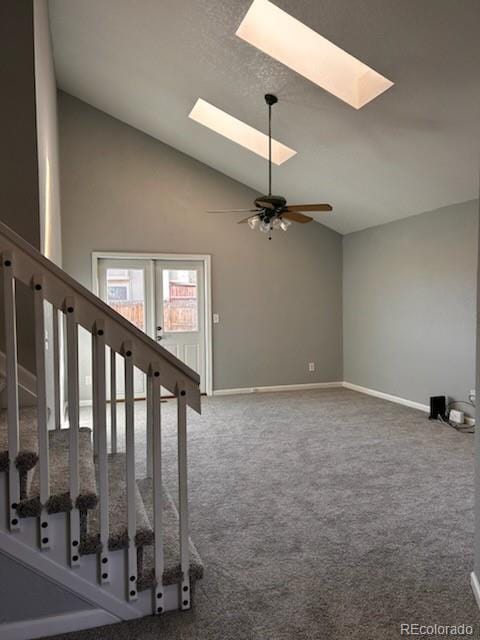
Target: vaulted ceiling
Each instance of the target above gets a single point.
(412, 149)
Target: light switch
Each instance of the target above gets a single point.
(216, 318)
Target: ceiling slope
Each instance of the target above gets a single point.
(412, 149)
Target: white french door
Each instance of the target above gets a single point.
(163, 298)
(180, 311)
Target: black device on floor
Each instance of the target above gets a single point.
(438, 407)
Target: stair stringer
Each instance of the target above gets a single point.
(82, 581)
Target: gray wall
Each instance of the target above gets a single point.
(26, 595)
(280, 302)
(18, 149)
(409, 296)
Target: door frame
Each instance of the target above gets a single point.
(206, 259)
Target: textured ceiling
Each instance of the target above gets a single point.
(413, 149)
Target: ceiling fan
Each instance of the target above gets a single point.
(273, 212)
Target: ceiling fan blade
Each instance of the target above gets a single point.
(309, 207)
(234, 210)
(296, 217)
(265, 204)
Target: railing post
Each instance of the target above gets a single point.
(73, 423)
(154, 393)
(42, 427)
(131, 481)
(184, 596)
(12, 386)
(113, 401)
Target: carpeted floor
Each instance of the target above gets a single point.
(323, 515)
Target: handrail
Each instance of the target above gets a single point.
(58, 285)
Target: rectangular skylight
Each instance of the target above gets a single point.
(302, 49)
(236, 130)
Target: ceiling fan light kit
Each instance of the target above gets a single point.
(272, 212)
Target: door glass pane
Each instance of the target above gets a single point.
(180, 300)
(126, 294)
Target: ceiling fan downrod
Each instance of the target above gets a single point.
(270, 99)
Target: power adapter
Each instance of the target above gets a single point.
(456, 416)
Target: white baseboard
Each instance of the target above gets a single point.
(475, 587)
(387, 396)
(397, 399)
(53, 625)
(280, 387)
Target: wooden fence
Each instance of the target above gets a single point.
(178, 315)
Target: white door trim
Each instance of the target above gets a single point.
(174, 257)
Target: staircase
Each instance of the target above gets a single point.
(72, 507)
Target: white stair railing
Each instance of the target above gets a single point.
(74, 307)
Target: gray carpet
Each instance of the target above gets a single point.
(319, 515)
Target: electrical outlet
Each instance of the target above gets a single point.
(88, 381)
(472, 393)
(216, 318)
(311, 366)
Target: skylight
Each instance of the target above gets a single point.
(295, 45)
(238, 131)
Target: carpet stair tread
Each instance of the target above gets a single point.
(118, 538)
(28, 453)
(171, 543)
(60, 500)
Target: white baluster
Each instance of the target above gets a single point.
(100, 428)
(12, 386)
(113, 401)
(56, 367)
(73, 420)
(131, 487)
(42, 427)
(185, 599)
(154, 389)
(94, 397)
(149, 450)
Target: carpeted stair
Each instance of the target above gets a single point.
(88, 503)
(28, 453)
(118, 538)
(172, 572)
(59, 500)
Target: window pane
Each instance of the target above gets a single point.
(180, 300)
(126, 294)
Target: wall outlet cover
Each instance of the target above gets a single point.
(311, 366)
